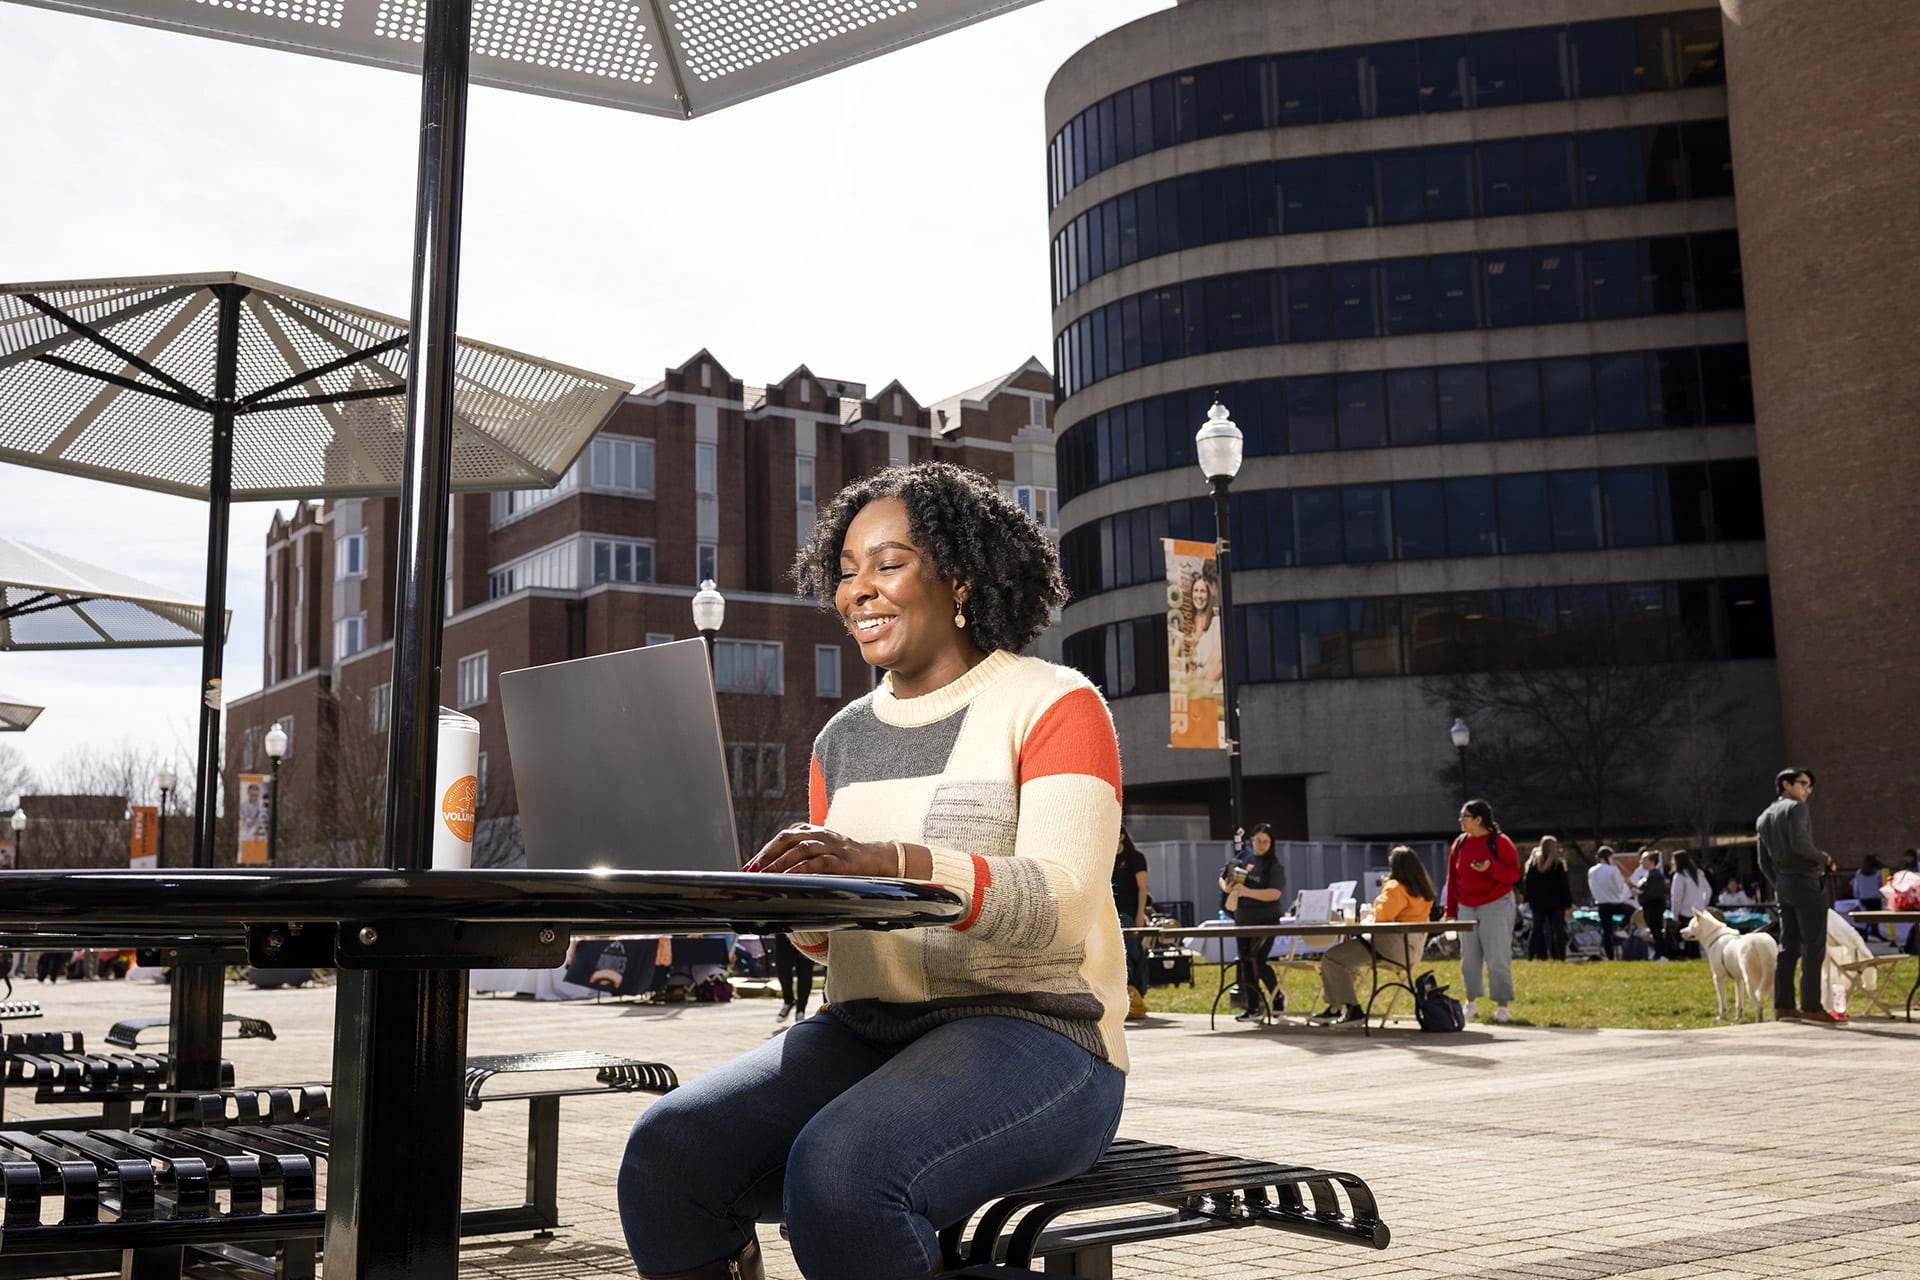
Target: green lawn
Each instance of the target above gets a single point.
(1674, 996)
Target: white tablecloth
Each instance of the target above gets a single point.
(541, 984)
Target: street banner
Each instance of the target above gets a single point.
(6, 855)
(1194, 673)
(256, 809)
(144, 853)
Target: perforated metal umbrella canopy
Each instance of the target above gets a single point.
(53, 601)
(115, 380)
(16, 715)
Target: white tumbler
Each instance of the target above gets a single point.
(456, 790)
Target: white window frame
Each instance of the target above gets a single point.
(1042, 502)
(823, 653)
(804, 487)
(767, 655)
(350, 556)
(286, 727)
(355, 626)
(633, 546)
(380, 707)
(473, 680)
(706, 561)
(739, 754)
(706, 469)
(608, 454)
(1036, 412)
(250, 748)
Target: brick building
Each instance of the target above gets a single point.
(699, 476)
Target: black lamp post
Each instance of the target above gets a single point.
(709, 611)
(19, 838)
(1219, 446)
(276, 745)
(1461, 736)
(166, 780)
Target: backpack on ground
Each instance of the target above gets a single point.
(1434, 1008)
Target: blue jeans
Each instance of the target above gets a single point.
(1136, 956)
(1492, 944)
(865, 1149)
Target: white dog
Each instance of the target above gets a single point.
(1744, 959)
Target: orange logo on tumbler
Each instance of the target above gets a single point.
(456, 808)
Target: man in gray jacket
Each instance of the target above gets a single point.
(1789, 858)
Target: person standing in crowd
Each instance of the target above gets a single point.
(1130, 903)
(1652, 891)
(1691, 893)
(1406, 895)
(1790, 859)
(1612, 897)
(955, 1064)
(795, 972)
(1482, 868)
(1549, 898)
(1254, 889)
(1867, 880)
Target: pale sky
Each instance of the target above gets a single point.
(885, 221)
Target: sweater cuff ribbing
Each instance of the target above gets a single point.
(964, 873)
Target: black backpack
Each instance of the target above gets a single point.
(1434, 1008)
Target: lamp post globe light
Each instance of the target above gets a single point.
(165, 778)
(276, 746)
(1461, 736)
(709, 611)
(1219, 446)
(19, 838)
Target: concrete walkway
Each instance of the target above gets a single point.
(1501, 1153)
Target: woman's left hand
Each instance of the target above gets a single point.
(809, 850)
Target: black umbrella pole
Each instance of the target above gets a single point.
(213, 631)
(400, 1037)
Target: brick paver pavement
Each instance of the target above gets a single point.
(1504, 1153)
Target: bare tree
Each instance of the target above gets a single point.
(1701, 769)
(16, 778)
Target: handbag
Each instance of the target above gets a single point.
(1434, 1009)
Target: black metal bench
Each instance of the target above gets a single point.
(58, 1068)
(12, 1010)
(1191, 1192)
(126, 1032)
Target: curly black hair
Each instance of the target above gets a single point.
(969, 532)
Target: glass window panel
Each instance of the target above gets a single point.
(1676, 389)
(1153, 426)
(1552, 176)
(1349, 191)
(1297, 195)
(1620, 391)
(1717, 282)
(1508, 286)
(1219, 319)
(1403, 186)
(1250, 532)
(1409, 308)
(1709, 158)
(1693, 620)
(1566, 395)
(1494, 57)
(1652, 65)
(1139, 529)
(1668, 286)
(1142, 119)
(1395, 76)
(1749, 618)
(1525, 518)
(1263, 214)
(1296, 95)
(1662, 169)
(1310, 414)
(1577, 523)
(1643, 621)
(1428, 624)
(1419, 520)
(1586, 625)
(623, 562)
(1136, 430)
(1737, 514)
(1150, 327)
(1193, 314)
(1443, 73)
(1318, 520)
(1104, 127)
(1449, 182)
(1123, 126)
(1601, 57)
(1362, 410)
(1613, 280)
(1163, 112)
(1130, 333)
(1472, 529)
(1543, 63)
(1272, 396)
(1454, 288)
(1513, 397)
(1369, 528)
(1556, 284)
(1306, 296)
(1727, 382)
(1254, 655)
(1214, 185)
(1698, 56)
(1633, 515)
(1350, 286)
(1286, 641)
(1476, 630)
(1324, 651)
(1191, 203)
(1610, 168)
(1689, 505)
(603, 562)
(1461, 394)
(1502, 169)
(1343, 74)
(1125, 216)
(1279, 527)
(1529, 627)
(1412, 417)
(1373, 630)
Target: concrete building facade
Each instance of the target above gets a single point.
(700, 476)
(1469, 276)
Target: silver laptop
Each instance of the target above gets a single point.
(619, 764)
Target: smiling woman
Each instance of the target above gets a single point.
(952, 1064)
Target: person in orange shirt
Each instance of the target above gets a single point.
(1405, 895)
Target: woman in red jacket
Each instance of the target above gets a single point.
(1482, 869)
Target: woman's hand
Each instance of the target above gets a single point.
(809, 850)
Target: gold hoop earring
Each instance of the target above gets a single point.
(959, 617)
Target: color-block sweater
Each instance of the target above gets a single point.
(1010, 776)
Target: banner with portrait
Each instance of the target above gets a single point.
(1195, 715)
(256, 810)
